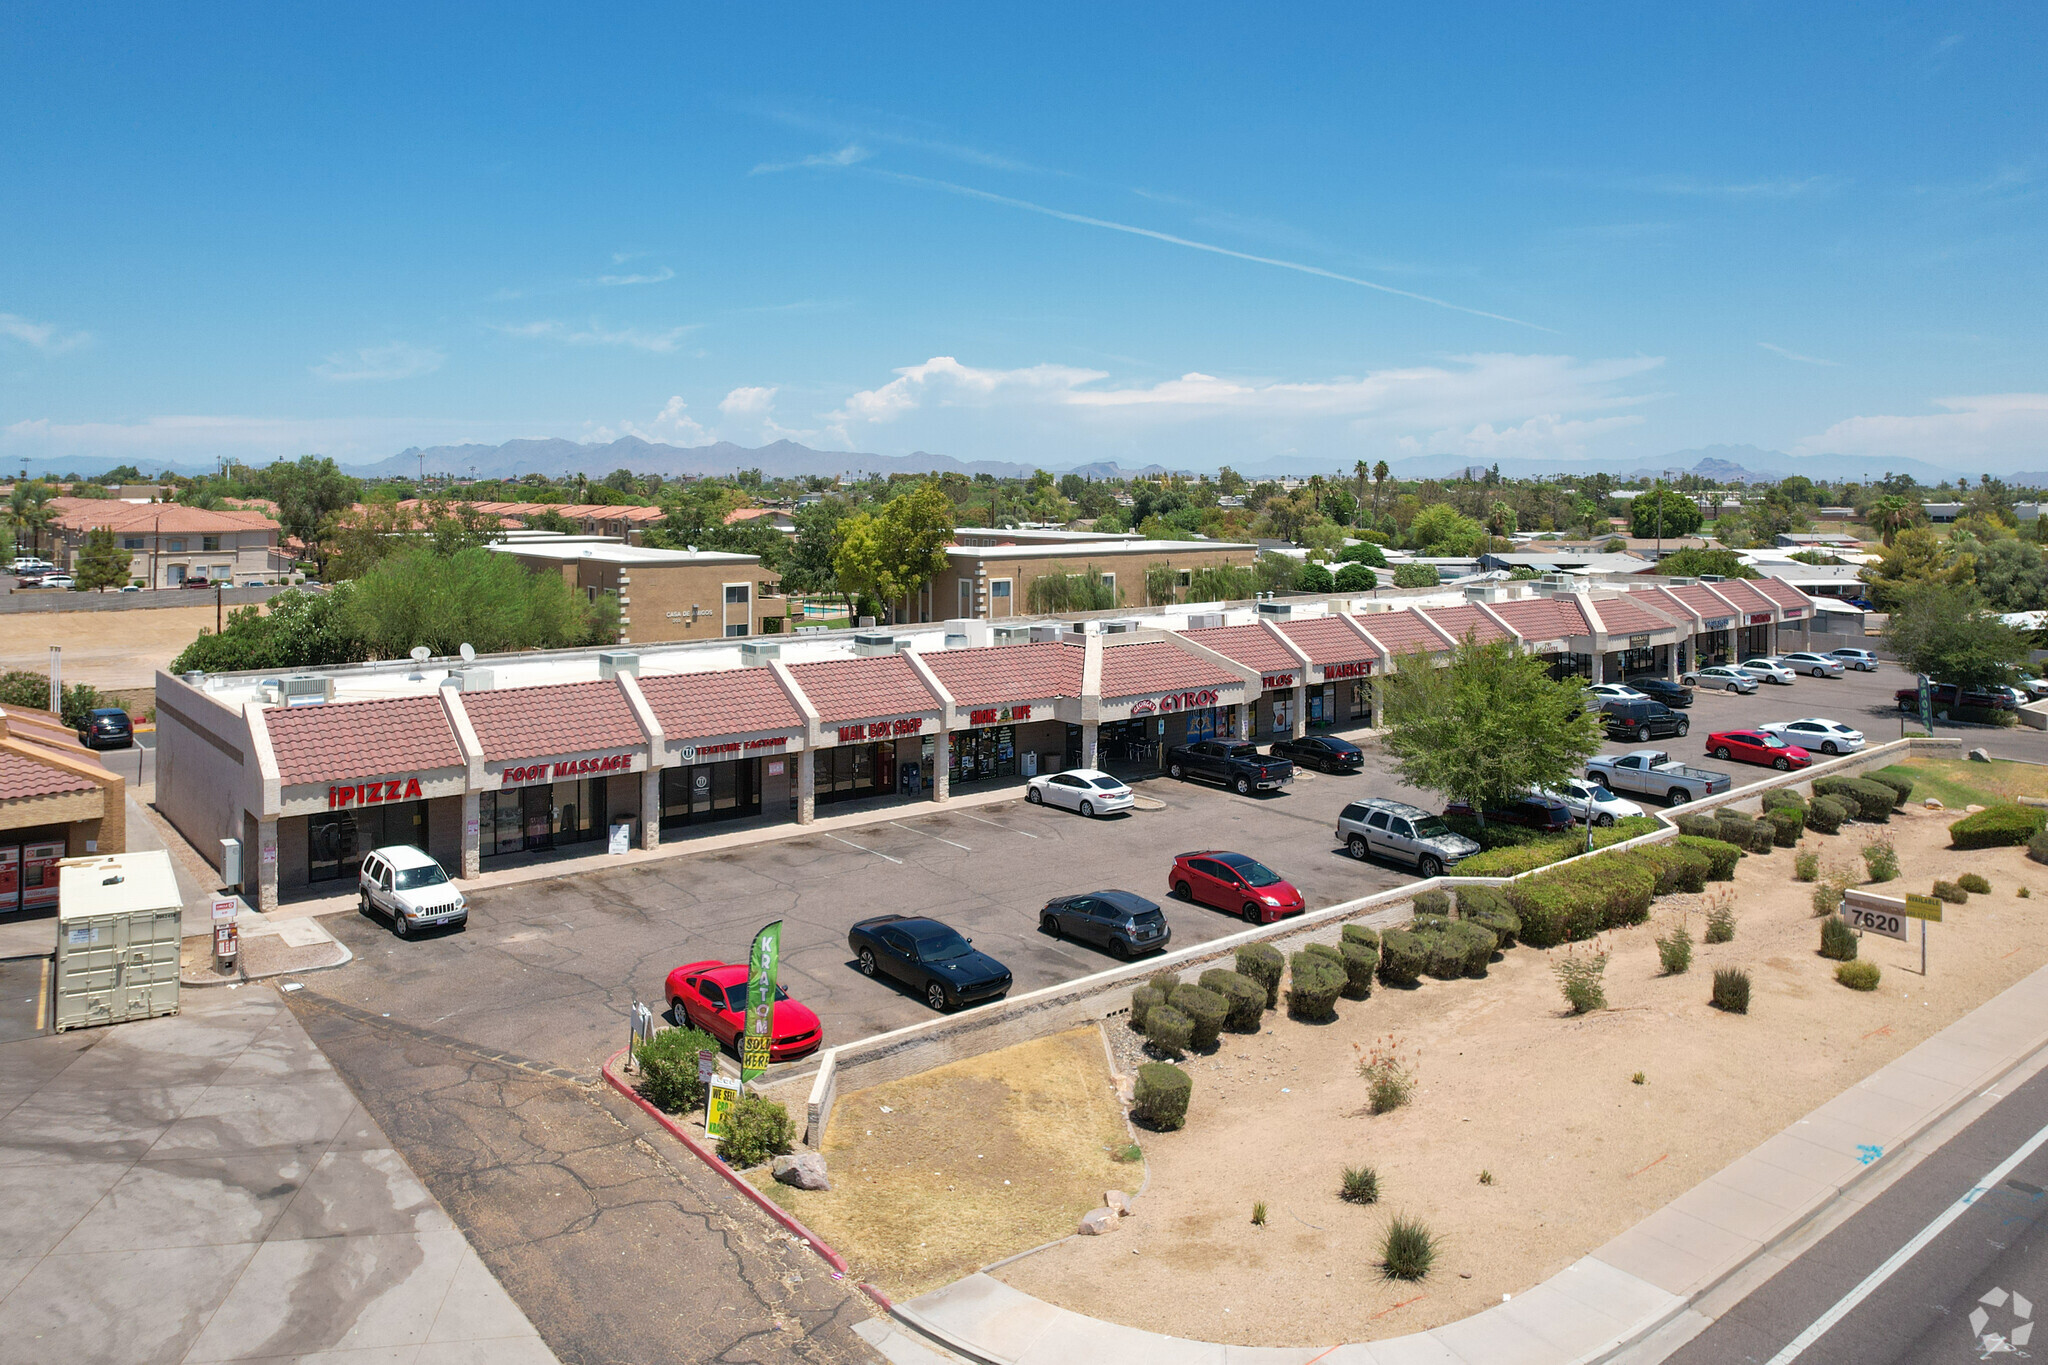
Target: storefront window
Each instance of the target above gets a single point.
(1361, 701)
(1283, 715)
(529, 819)
(337, 840)
(856, 770)
(710, 791)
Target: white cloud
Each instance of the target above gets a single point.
(851, 154)
(395, 361)
(671, 426)
(1545, 435)
(1981, 426)
(44, 336)
(596, 334)
(1794, 355)
(748, 402)
(946, 379)
(660, 276)
(1781, 187)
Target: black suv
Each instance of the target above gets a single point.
(1664, 690)
(1641, 720)
(106, 727)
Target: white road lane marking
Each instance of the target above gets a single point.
(851, 844)
(929, 835)
(993, 825)
(1872, 1282)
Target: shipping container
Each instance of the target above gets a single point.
(119, 922)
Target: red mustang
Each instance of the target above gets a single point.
(1754, 746)
(1231, 881)
(713, 996)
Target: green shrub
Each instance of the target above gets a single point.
(1502, 923)
(1731, 990)
(1827, 897)
(1577, 901)
(1408, 1251)
(1998, 827)
(1580, 980)
(1881, 860)
(1721, 856)
(1143, 999)
(1258, 1213)
(1763, 837)
(1674, 950)
(1446, 958)
(1476, 943)
(1359, 964)
(1262, 963)
(1699, 824)
(1806, 865)
(2037, 847)
(1520, 858)
(1389, 1081)
(1167, 1029)
(1837, 939)
(755, 1129)
(1871, 801)
(1206, 1011)
(1898, 779)
(668, 1068)
(1244, 999)
(1974, 884)
(1858, 976)
(1950, 892)
(1721, 922)
(1828, 814)
(1677, 869)
(1324, 950)
(1361, 933)
(1783, 797)
(1164, 982)
(1432, 903)
(1313, 984)
(1402, 957)
(1361, 1185)
(1734, 826)
(1160, 1099)
(1787, 824)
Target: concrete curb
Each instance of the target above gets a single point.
(761, 1201)
(201, 983)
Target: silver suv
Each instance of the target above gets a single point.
(1379, 828)
(410, 888)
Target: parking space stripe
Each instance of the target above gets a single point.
(929, 835)
(851, 844)
(993, 825)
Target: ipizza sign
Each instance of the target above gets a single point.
(374, 793)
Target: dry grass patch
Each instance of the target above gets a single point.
(936, 1176)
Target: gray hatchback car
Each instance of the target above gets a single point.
(1393, 830)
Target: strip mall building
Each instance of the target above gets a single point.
(551, 755)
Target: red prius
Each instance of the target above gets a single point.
(1231, 881)
(1754, 746)
(713, 996)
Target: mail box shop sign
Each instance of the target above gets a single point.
(526, 773)
(880, 729)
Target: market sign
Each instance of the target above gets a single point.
(1177, 701)
(880, 729)
(1332, 672)
(374, 792)
(998, 715)
(1275, 681)
(1638, 642)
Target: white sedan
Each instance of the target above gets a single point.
(1768, 670)
(1816, 735)
(1819, 665)
(1591, 801)
(1617, 692)
(1720, 675)
(1083, 789)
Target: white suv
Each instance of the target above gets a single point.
(410, 888)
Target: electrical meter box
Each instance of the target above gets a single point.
(119, 923)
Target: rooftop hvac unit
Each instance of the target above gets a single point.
(756, 653)
(1276, 611)
(973, 633)
(1680, 582)
(305, 690)
(1009, 635)
(471, 679)
(1043, 631)
(871, 644)
(612, 662)
(1122, 625)
(1713, 578)
(1205, 620)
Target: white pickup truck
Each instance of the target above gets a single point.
(1650, 772)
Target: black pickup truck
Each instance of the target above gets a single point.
(1236, 764)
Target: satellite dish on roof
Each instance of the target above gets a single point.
(420, 654)
(468, 652)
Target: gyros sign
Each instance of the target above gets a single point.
(1177, 701)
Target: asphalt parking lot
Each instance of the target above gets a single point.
(549, 970)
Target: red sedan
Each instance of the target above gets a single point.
(713, 996)
(1754, 746)
(1231, 881)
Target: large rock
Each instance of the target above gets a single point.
(805, 1170)
(1933, 803)
(1980, 755)
(1096, 1222)
(1117, 1202)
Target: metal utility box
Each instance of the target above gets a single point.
(119, 921)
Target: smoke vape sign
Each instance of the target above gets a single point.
(2013, 1312)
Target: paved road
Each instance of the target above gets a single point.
(550, 969)
(614, 1242)
(1922, 1313)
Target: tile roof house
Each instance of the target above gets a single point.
(169, 543)
(51, 782)
(1253, 646)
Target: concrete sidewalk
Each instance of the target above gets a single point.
(205, 1188)
(1646, 1287)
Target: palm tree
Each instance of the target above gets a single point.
(1892, 514)
(1379, 484)
(28, 506)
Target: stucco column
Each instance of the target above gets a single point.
(472, 835)
(1671, 661)
(941, 778)
(1090, 730)
(807, 786)
(1599, 664)
(1245, 711)
(266, 864)
(1300, 711)
(650, 808)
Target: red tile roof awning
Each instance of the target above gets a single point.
(1402, 631)
(1467, 620)
(353, 740)
(1155, 666)
(1745, 595)
(1253, 646)
(1009, 673)
(1783, 593)
(540, 722)
(860, 689)
(1329, 640)
(1626, 616)
(1544, 618)
(22, 778)
(737, 701)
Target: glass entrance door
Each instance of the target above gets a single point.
(536, 809)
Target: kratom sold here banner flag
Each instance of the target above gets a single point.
(764, 960)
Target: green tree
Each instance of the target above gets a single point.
(1943, 630)
(1222, 583)
(808, 565)
(1692, 562)
(1162, 582)
(301, 630)
(28, 508)
(1380, 473)
(1364, 552)
(1057, 590)
(1313, 578)
(311, 493)
(1356, 578)
(1891, 513)
(475, 596)
(1487, 726)
(102, 563)
(1417, 576)
(2012, 575)
(893, 553)
(1916, 555)
(1440, 531)
(1681, 514)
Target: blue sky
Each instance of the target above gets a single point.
(1177, 233)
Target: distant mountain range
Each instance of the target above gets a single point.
(787, 459)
